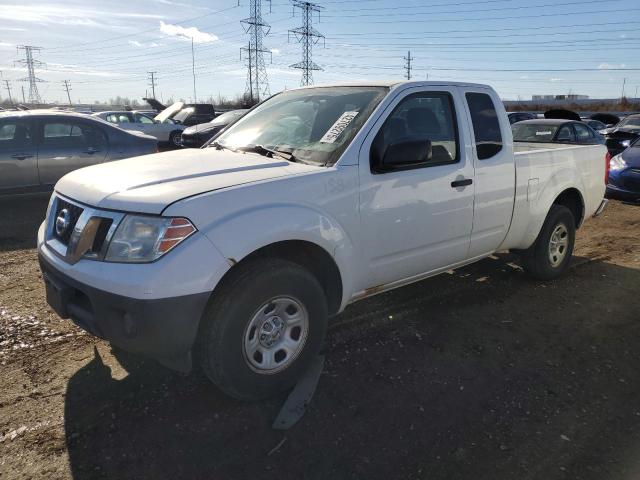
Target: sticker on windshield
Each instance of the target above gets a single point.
(544, 133)
(337, 128)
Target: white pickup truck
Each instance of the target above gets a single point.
(237, 254)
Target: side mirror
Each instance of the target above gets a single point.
(405, 155)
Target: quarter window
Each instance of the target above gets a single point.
(486, 126)
(427, 118)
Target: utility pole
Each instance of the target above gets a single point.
(23, 99)
(193, 70)
(8, 84)
(257, 81)
(636, 95)
(31, 64)
(624, 81)
(66, 87)
(152, 81)
(307, 36)
(407, 66)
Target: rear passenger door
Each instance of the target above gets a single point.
(67, 144)
(18, 168)
(495, 178)
(416, 218)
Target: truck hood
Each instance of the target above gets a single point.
(149, 183)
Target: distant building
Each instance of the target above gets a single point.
(570, 96)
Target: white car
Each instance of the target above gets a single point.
(237, 255)
(165, 130)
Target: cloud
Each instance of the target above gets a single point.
(62, 15)
(556, 79)
(138, 44)
(6, 45)
(187, 33)
(275, 51)
(611, 66)
(524, 77)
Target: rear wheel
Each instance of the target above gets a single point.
(262, 329)
(551, 254)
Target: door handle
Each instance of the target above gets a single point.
(21, 156)
(461, 183)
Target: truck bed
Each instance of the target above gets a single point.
(540, 169)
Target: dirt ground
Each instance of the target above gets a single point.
(476, 374)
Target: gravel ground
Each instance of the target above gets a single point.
(480, 373)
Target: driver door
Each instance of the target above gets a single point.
(417, 219)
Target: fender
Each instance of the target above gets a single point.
(242, 233)
(534, 197)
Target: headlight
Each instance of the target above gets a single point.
(140, 238)
(617, 163)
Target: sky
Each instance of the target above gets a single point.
(520, 47)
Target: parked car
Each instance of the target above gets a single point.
(238, 254)
(197, 135)
(515, 117)
(608, 119)
(624, 174)
(555, 131)
(185, 114)
(622, 135)
(38, 147)
(595, 125)
(166, 131)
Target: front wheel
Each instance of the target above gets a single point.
(551, 254)
(262, 329)
(175, 138)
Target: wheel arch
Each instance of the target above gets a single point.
(308, 255)
(573, 200)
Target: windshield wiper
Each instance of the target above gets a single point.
(218, 146)
(269, 152)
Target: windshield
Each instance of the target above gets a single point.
(314, 125)
(630, 123)
(528, 132)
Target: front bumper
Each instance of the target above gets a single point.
(162, 328)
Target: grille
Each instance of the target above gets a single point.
(101, 234)
(75, 212)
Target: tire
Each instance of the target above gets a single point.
(232, 339)
(175, 139)
(545, 260)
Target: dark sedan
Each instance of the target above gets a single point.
(555, 131)
(198, 135)
(624, 174)
(623, 134)
(38, 147)
(515, 117)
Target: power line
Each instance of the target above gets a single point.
(66, 84)
(257, 28)
(407, 65)
(31, 64)
(307, 36)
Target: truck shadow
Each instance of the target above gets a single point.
(480, 373)
(20, 218)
